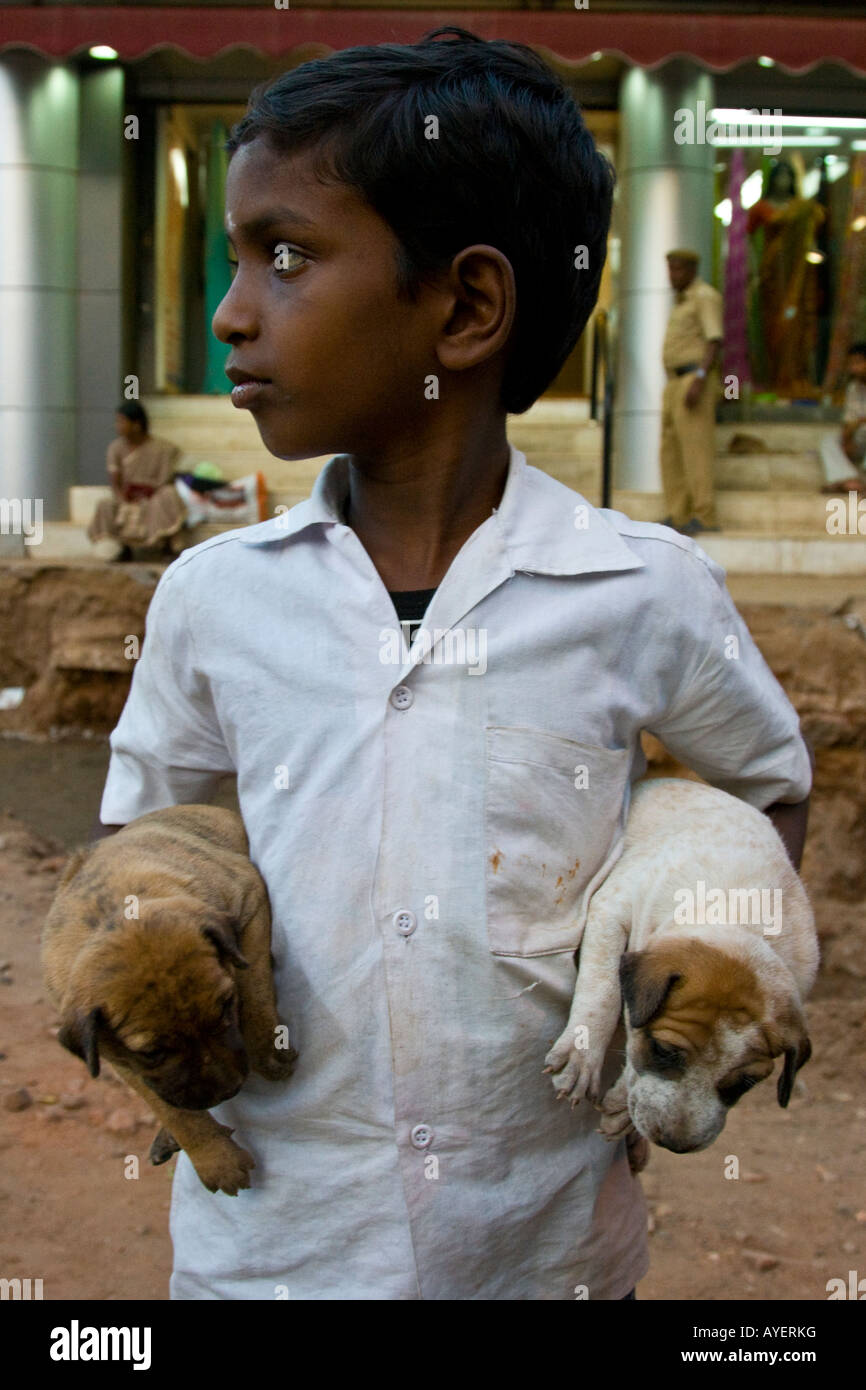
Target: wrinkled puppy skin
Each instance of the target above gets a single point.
(156, 956)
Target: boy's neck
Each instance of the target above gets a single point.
(413, 517)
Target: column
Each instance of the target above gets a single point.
(665, 200)
(39, 111)
(99, 366)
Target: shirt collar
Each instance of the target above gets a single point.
(542, 526)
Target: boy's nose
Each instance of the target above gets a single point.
(234, 319)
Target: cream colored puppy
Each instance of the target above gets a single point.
(704, 929)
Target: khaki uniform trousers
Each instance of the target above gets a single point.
(688, 449)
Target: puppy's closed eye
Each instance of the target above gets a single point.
(729, 1092)
(152, 1056)
(665, 1057)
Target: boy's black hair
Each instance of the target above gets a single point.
(857, 349)
(134, 410)
(514, 167)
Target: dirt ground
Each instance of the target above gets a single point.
(793, 1218)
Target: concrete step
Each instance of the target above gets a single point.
(68, 540)
(738, 552)
(760, 510)
(763, 512)
(776, 437)
(769, 472)
(788, 555)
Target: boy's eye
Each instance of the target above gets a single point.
(285, 257)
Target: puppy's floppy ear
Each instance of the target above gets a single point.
(790, 1037)
(219, 927)
(795, 1058)
(79, 1034)
(646, 985)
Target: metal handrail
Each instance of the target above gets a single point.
(602, 363)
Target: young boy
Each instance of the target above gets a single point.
(430, 824)
(844, 454)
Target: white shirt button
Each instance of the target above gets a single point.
(405, 921)
(402, 697)
(421, 1137)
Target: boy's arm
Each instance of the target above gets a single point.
(98, 831)
(730, 720)
(791, 821)
(168, 747)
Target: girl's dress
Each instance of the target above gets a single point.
(146, 507)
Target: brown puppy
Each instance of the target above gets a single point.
(156, 954)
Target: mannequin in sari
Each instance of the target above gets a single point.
(145, 509)
(787, 288)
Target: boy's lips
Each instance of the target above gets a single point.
(247, 389)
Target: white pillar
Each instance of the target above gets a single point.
(99, 359)
(39, 104)
(665, 200)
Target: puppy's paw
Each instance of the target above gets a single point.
(637, 1151)
(615, 1119)
(272, 1062)
(576, 1071)
(222, 1165)
(163, 1147)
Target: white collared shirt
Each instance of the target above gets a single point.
(430, 833)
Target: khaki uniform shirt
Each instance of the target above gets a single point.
(430, 827)
(695, 320)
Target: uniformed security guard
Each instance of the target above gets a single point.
(691, 352)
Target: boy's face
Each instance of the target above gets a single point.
(857, 366)
(313, 313)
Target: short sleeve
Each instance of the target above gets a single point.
(710, 313)
(167, 748)
(731, 721)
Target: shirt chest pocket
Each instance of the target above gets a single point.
(553, 808)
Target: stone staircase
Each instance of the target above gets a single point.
(770, 507)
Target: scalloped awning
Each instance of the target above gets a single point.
(718, 41)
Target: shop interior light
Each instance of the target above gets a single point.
(752, 188)
(177, 160)
(102, 50)
(859, 224)
(835, 167)
(815, 257)
(596, 56)
(811, 183)
(733, 142)
(731, 115)
(766, 62)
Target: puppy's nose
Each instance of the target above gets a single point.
(678, 1146)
